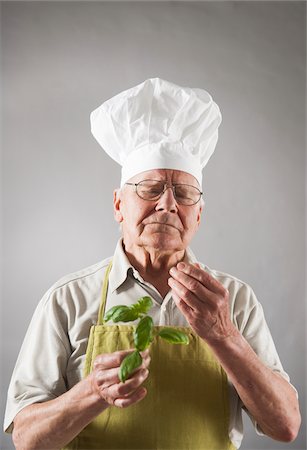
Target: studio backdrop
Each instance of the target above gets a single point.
(60, 60)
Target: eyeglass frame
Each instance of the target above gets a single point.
(165, 186)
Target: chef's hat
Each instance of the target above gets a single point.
(158, 125)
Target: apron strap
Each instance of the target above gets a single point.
(104, 295)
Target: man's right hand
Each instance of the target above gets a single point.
(106, 383)
(54, 423)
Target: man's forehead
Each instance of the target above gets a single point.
(177, 176)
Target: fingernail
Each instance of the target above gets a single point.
(172, 271)
(181, 266)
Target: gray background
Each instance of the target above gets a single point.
(61, 60)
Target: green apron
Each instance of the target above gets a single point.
(186, 406)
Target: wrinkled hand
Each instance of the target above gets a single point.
(203, 301)
(105, 381)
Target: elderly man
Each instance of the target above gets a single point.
(65, 391)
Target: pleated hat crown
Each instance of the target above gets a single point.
(158, 125)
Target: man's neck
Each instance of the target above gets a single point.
(153, 266)
(153, 261)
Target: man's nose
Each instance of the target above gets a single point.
(167, 201)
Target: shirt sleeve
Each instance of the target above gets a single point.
(250, 320)
(39, 373)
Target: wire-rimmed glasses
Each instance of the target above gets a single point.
(152, 190)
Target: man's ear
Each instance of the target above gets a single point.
(117, 206)
(199, 213)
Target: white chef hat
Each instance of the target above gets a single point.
(158, 125)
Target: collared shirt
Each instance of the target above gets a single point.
(52, 355)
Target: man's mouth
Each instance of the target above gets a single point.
(162, 224)
(164, 219)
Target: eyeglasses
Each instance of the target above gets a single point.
(152, 190)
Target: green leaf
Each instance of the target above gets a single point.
(143, 333)
(108, 315)
(120, 313)
(129, 363)
(142, 306)
(174, 336)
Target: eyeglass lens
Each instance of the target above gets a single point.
(184, 193)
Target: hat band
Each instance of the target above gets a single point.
(165, 155)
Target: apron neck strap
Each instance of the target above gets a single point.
(104, 294)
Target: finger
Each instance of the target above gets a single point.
(200, 298)
(111, 360)
(202, 276)
(182, 305)
(144, 365)
(131, 384)
(106, 377)
(135, 397)
(191, 285)
(145, 353)
(123, 390)
(185, 295)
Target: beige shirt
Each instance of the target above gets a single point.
(53, 352)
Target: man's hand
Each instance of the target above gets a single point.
(54, 423)
(270, 399)
(203, 301)
(106, 383)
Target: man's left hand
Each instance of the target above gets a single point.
(203, 301)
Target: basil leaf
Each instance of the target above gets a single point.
(110, 312)
(129, 363)
(174, 336)
(143, 305)
(143, 333)
(120, 313)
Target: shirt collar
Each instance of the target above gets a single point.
(121, 265)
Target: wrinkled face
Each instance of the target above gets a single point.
(162, 224)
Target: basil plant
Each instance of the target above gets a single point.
(143, 334)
